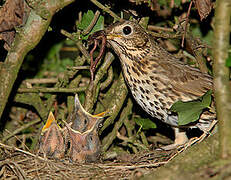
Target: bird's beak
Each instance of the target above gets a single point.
(112, 36)
(101, 115)
(50, 120)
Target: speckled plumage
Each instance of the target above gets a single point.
(156, 78)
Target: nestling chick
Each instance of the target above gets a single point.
(85, 147)
(51, 140)
(82, 134)
(81, 119)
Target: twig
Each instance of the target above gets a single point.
(107, 141)
(119, 92)
(16, 169)
(165, 35)
(186, 24)
(79, 68)
(36, 169)
(94, 87)
(51, 90)
(135, 166)
(194, 47)
(79, 61)
(20, 150)
(130, 128)
(21, 129)
(158, 28)
(128, 140)
(106, 9)
(63, 82)
(41, 81)
(21, 141)
(92, 24)
(108, 81)
(144, 139)
(79, 44)
(72, 49)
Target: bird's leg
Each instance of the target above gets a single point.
(180, 139)
(180, 136)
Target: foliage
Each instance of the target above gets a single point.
(228, 60)
(145, 123)
(190, 111)
(86, 20)
(53, 62)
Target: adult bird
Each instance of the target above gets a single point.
(156, 78)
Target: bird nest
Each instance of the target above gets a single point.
(19, 164)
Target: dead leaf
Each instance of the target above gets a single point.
(12, 14)
(203, 7)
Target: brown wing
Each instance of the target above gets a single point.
(186, 79)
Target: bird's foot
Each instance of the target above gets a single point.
(180, 139)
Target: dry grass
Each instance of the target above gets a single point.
(19, 164)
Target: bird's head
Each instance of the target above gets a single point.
(128, 39)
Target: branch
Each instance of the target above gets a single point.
(25, 40)
(93, 88)
(92, 24)
(107, 141)
(222, 88)
(51, 90)
(119, 91)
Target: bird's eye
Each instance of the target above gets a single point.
(127, 30)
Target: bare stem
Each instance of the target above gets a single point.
(106, 9)
(51, 90)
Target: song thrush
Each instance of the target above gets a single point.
(51, 140)
(156, 78)
(81, 119)
(82, 133)
(84, 147)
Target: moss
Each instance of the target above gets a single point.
(189, 162)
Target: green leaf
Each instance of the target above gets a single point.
(162, 2)
(177, 3)
(228, 60)
(145, 123)
(190, 111)
(86, 21)
(49, 29)
(99, 25)
(81, 97)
